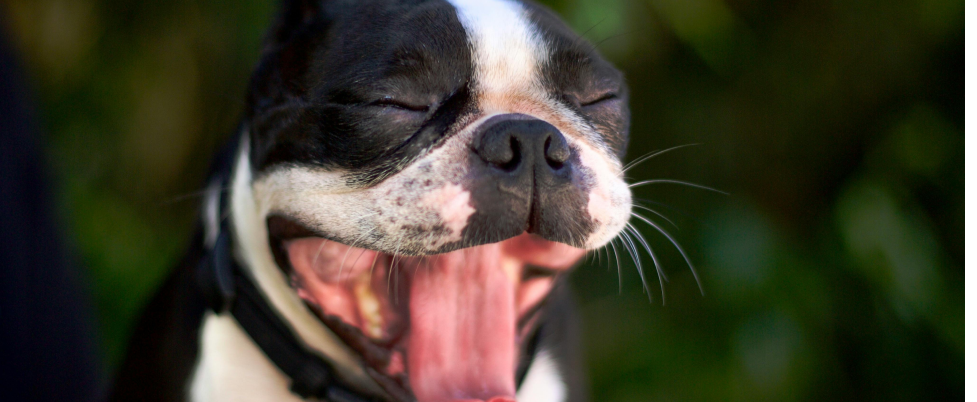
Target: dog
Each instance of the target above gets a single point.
(411, 181)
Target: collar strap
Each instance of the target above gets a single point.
(228, 288)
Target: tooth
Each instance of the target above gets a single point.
(369, 306)
(512, 268)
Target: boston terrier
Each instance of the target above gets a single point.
(411, 182)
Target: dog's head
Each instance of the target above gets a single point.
(419, 172)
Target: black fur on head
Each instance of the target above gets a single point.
(364, 93)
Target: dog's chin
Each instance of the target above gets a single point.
(443, 327)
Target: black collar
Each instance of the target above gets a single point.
(228, 288)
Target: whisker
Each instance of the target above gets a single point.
(678, 247)
(194, 194)
(393, 265)
(362, 251)
(656, 181)
(658, 269)
(676, 210)
(350, 248)
(617, 258)
(633, 250)
(584, 34)
(374, 264)
(397, 285)
(653, 154)
(644, 243)
(601, 42)
(598, 252)
(343, 263)
(637, 236)
(656, 213)
(316, 258)
(607, 252)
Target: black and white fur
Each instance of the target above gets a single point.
(358, 112)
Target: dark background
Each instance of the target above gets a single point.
(832, 271)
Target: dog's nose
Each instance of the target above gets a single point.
(526, 179)
(521, 144)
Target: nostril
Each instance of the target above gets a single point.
(553, 162)
(556, 150)
(501, 149)
(515, 158)
(495, 148)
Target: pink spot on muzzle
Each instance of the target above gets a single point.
(453, 203)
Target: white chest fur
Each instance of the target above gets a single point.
(543, 382)
(231, 368)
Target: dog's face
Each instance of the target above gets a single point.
(422, 170)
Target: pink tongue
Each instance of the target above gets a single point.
(462, 343)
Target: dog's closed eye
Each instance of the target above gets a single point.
(391, 102)
(598, 100)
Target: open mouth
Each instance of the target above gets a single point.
(444, 327)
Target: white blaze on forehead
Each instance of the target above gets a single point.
(453, 203)
(507, 47)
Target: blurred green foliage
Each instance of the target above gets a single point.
(833, 270)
